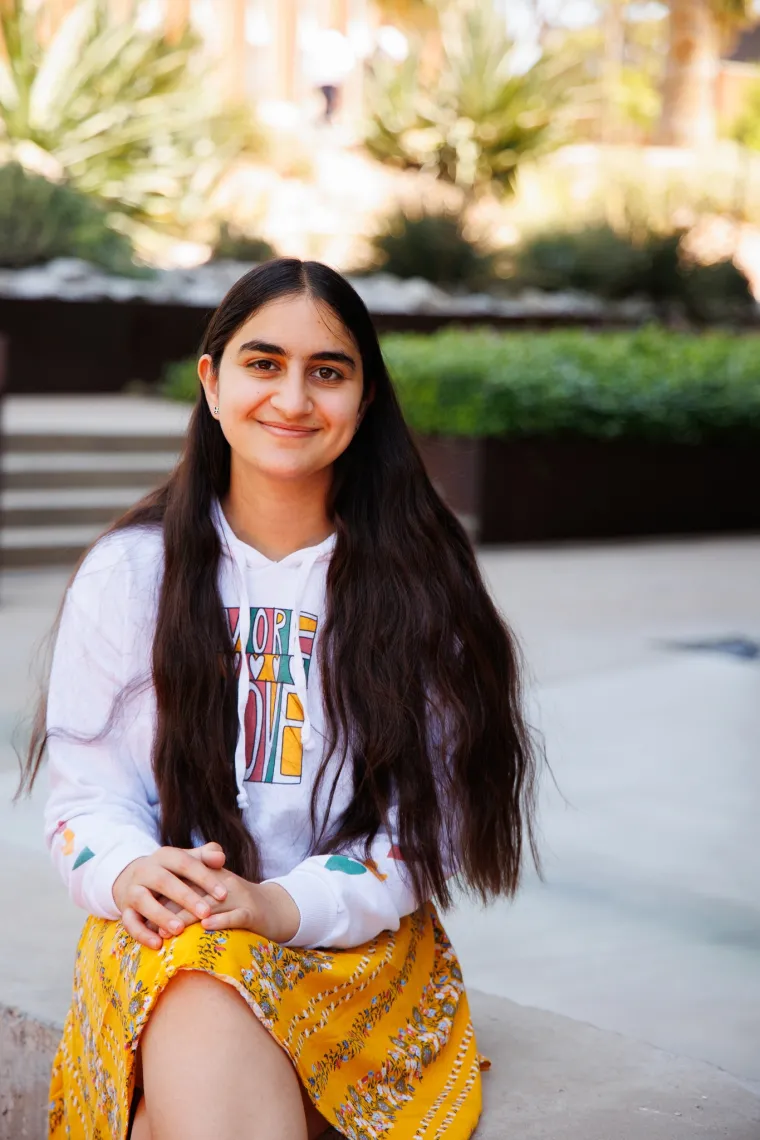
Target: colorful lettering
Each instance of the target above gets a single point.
(274, 716)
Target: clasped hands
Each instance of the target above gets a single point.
(159, 895)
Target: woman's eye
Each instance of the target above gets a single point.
(332, 374)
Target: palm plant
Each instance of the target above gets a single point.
(117, 111)
(699, 31)
(477, 118)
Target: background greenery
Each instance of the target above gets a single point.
(649, 384)
(118, 111)
(40, 220)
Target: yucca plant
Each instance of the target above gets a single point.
(479, 118)
(123, 114)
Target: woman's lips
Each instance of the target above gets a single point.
(288, 432)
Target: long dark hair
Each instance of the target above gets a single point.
(420, 674)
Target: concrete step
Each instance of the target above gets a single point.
(58, 506)
(22, 548)
(27, 470)
(63, 441)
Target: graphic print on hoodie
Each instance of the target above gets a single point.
(274, 715)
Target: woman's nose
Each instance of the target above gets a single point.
(291, 396)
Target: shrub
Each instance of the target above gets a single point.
(594, 260)
(432, 246)
(613, 265)
(650, 384)
(40, 220)
(235, 245)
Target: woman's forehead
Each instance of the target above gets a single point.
(300, 325)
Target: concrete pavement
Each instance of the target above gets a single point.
(648, 924)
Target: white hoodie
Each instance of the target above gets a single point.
(102, 810)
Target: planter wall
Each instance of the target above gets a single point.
(525, 491)
(59, 346)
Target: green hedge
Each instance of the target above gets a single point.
(649, 384)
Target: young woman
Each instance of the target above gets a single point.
(283, 714)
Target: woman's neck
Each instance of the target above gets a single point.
(277, 517)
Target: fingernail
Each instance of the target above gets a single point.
(175, 927)
(219, 892)
(203, 910)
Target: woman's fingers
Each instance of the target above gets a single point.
(187, 866)
(212, 854)
(138, 928)
(229, 920)
(147, 905)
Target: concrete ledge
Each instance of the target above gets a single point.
(558, 1079)
(552, 1079)
(27, 1048)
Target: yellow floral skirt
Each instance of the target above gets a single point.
(380, 1035)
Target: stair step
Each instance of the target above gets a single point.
(36, 442)
(27, 547)
(66, 506)
(27, 470)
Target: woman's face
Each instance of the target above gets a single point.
(289, 389)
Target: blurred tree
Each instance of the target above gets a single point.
(699, 32)
(619, 71)
(119, 112)
(479, 118)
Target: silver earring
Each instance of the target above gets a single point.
(216, 409)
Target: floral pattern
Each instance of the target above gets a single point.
(380, 1035)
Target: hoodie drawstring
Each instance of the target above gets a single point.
(295, 649)
(236, 552)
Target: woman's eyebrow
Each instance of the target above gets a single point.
(276, 350)
(340, 357)
(262, 346)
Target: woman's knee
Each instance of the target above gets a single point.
(197, 989)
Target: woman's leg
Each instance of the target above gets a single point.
(210, 1069)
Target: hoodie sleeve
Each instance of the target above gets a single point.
(347, 899)
(98, 817)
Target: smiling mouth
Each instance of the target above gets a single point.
(287, 429)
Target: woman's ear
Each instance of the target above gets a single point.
(366, 401)
(210, 381)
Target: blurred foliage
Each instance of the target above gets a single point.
(234, 244)
(473, 122)
(627, 108)
(734, 14)
(746, 128)
(180, 380)
(432, 246)
(610, 264)
(649, 384)
(119, 111)
(40, 220)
